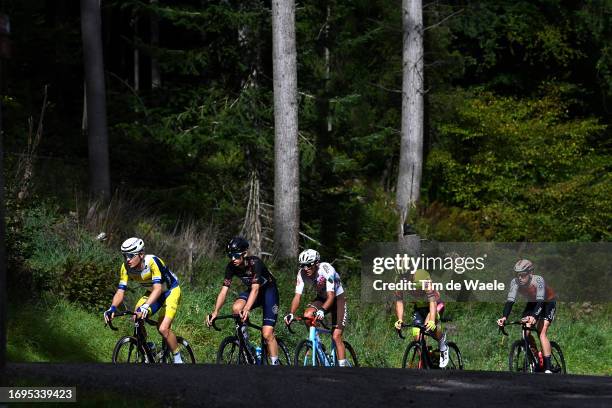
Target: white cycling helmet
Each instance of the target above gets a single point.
(309, 257)
(523, 265)
(132, 246)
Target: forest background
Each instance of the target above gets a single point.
(517, 147)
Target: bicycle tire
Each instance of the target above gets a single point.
(557, 361)
(186, 353)
(233, 353)
(519, 358)
(350, 351)
(135, 354)
(283, 354)
(414, 350)
(455, 363)
(305, 360)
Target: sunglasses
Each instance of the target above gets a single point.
(235, 255)
(306, 265)
(522, 275)
(128, 257)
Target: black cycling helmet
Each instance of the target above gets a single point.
(237, 244)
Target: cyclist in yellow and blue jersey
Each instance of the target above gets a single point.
(163, 291)
(426, 312)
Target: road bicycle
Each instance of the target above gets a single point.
(420, 355)
(238, 349)
(136, 349)
(312, 351)
(523, 359)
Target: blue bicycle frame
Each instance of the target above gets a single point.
(317, 349)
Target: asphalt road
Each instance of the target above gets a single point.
(246, 386)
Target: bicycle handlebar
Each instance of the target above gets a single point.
(237, 318)
(517, 322)
(128, 313)
(420, 326)
(306, 320)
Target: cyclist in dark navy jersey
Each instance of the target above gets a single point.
(261, 291)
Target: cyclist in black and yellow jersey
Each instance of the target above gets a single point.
(426, 311)
(163, 292)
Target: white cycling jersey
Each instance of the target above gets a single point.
(326, 279)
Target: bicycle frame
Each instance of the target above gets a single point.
(532, 360)
(313, 336)
(140, 335)
(246, 347)
(424, 360)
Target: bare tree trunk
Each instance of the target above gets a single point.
(91, 28)
(136, 55)
(3, 291)
(411, 148)
(286, 155)
(155, 74)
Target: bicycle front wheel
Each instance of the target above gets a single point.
(304, 355)
(557, 361)
(518, 359)
(230, 353)
(413, 356)
(127, 351)
(185, 351)
(455, 362)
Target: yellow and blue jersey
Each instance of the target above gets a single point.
(154, 271)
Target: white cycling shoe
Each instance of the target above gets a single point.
(443, 358)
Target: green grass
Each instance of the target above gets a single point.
(54, 330)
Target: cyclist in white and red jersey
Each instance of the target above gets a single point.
(541, 305)
(325, 281)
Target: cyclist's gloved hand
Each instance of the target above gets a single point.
(210, 318)
(289, 318)
(430, 325)
(144, 309)
(110, 314)
(320, 314)
(501, 321)
(398, 324)
(529, 320)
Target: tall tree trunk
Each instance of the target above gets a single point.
(155, 74)
(136, 55)
(411, 149)
(91, 28)
(286, 155)
(3, 282)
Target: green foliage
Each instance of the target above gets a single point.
(527, 166)
(61, 256)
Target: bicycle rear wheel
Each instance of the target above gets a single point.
(557, 361)
(185, 351)
(283, 354)
(351, 356)
(455, 361)
(230, 353)
(304, 354)
(127, 352)
(413, 356)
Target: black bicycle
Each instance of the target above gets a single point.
(136, 349)
(237, 349)
(421, 356)
(522, 357)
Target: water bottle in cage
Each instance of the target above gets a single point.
(258, 353)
